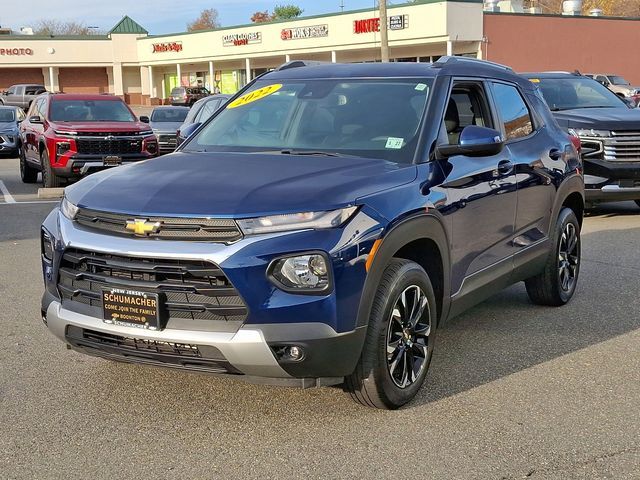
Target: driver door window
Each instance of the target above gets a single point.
(467, 106)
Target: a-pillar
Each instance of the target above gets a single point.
(247, 67)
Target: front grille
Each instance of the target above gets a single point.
(169, 228)
(622, 146)
(115, 146)
(193, 290)
(194, 357)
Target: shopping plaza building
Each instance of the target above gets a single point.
(143, 68)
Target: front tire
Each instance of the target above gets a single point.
(28, 174)
(49, 178)
(400, 338)
(556, 285)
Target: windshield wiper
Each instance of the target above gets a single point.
(318, 153)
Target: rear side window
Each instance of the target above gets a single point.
(514, 112)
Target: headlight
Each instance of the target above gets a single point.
(583, 132)
(296, 221)
(46, 245)
(307, 273)
(68, 209)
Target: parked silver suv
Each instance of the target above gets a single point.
(618, 85)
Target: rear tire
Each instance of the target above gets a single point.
(49, 178)
(28, 174)
(399, 342)
(556, 285)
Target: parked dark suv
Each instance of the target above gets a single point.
(608, 129)
(321, 226)
(187, 95)
(69, 136)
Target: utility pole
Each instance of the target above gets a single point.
(384, 37)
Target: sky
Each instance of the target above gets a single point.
(158, 16)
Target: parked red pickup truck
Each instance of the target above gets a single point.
(67, 136)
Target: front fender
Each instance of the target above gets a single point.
(425, 226)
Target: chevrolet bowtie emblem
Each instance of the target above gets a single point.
(142, 227)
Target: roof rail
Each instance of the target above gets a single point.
(445, 60)
(299, 63)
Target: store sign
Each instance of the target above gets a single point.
(16, 51)
(167, 47)
(239, 39)
(314, 31)
(370, 25)
(398, 22)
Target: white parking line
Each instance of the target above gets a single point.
(5, 192)
(29, 202)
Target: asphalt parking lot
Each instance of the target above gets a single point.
(514, 391)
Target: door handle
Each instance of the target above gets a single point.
(505, 167)
(555, 154)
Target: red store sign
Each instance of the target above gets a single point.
(366, 26)
(167, 47)
(16, 51)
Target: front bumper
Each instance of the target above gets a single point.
(81, 165)
(611, 181)
(612, 193)
(246, 354)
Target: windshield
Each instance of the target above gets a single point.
(367, 118)
(577, 92)
(616, 80)
(169, 115)
(90, 111)
(7, 115)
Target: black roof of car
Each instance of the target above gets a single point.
(445, 66)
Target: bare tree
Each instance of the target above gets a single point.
(57, 27)
(207, 20)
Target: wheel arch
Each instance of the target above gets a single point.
(421, 239)
(569, 194)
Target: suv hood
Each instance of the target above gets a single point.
(236, 184)
(600, 118)
(111, 127)
(8, 127)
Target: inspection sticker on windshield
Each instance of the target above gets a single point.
(255, 95)
(534, 80)
(394, 143)
(421, 86)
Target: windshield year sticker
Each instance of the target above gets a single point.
(255, 95)
(394, 143)
(421, 86)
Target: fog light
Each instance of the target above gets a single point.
(289, 353)
(302, 273)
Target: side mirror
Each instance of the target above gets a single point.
(35, 119)
(144, 119)
(187, 131)
(474, 141)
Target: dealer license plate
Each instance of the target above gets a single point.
(131, 308)
(111, 160)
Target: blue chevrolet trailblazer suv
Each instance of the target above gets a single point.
(319, 228)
